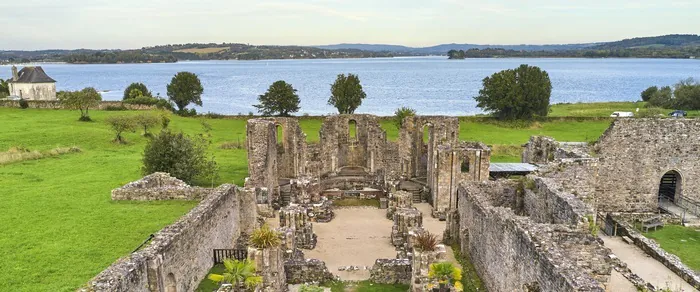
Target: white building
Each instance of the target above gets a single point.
(32, 83)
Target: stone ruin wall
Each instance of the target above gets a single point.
(634, 155)
(159, 186)
(291, 150)
(180, 255)
(262, 157)
(452, 161)
(338, 149)
(546, 202)
(512, 252)
(418, 160)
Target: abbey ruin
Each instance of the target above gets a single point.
(533, 232)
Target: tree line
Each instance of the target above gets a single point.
(650, 52)
(684, 95)
(115, 57)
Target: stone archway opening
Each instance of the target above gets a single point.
(670, 186)
(170, 283)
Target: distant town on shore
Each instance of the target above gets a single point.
(677, 46)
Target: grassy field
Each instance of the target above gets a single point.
(681, 241)
(59, 226)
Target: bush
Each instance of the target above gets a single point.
(652, 112)
(210, 115)
(146, 121)
(446, 272)
(177, 154)
(121, 124)
(649, 92)
(23, 104)
(130, 91)
(114, 108)
(142, 100)
(186, 112)
(265, 237)
(426, 241)
(401, 113)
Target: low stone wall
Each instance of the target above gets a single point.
(56, 104)
(653, 249)
(159, 186)
(512, 252)
(180, 255)
(391, 271)
(307, 271)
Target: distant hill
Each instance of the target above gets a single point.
(673, 40)
(444, 48)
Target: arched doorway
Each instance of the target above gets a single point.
(670, 186)
(170, 283)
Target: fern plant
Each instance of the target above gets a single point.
(238, 273)
(265, 237)
(446, 273)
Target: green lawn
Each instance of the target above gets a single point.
(681, 241)
(59, 226)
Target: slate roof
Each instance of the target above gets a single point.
(33, 75)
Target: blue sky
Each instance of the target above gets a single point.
(41, 24)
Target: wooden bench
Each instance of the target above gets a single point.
(652, 223)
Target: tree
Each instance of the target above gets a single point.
(687, 94)
(82, 100)
(239, 274)
(177, 154)
(346, 94)
(402, 113)
(121, 124)
(649, 92)
(662, 98)
(185, 88)
(281, 99)
(4, 88)
(138, 86)
(520, 93)
(456, 54)
(147, 120)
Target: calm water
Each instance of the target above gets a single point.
(431, 85)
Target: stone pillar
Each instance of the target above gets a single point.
(399, 199)
(297, 218)
(248, 214)
(421, 265)
(451, 235)
(269, 263)
(404, 221)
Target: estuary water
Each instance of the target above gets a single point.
(431, 85)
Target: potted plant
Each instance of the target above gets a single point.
(447, 275)
(241, 274)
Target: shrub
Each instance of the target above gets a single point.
(426, 241)
(142, 100)
(401, 113)
(175, 153)
(121, 124)
(82, 100)
(265, 237)
(114, 108)
(23, 104)
(238, 273)
(186, 112)
(652, 112)
(445, 272)
(146, 121)
(210, 115)
(310, 288)
(134, 88)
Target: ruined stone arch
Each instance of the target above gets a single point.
(170, 283)
(670, 185)
(352, 130)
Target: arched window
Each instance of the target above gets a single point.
(170, 283)
(352, 129)
(465, 165)
(280, 134)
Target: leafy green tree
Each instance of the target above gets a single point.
(346, 94)
(456, 54)
(238, 273)
(129, 91)
(82, 100)
(185, 88)
(121, 124)
(147, 120)
(649, 92)
(662, 98)
(687, 94)
(402, 113)
(521, 93)
(4, 88)
(177, 154)
(281, 99)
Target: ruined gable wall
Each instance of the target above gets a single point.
(338, 149)
(547, 202)
(291, 151)
(634, 155)
(443, 130)
(182, 249)
(510, 251)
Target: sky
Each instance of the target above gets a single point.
(112, 24)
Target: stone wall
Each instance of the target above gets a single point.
(307, 271)
(634, 155)
(651, 248)
(464, 162)
(291, 148)
(365, 148)
(56, 104)
(546, 202)
(539, 150)
(512, 252)
(262, 157)
(391, 271)
(180, 255)
(159, 186)
(270, 265)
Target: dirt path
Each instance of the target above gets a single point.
(645, 266)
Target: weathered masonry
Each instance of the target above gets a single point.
(354, 158)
